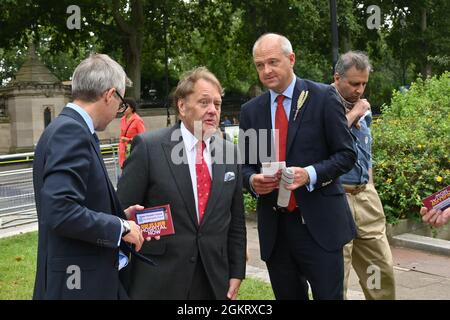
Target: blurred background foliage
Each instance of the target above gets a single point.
(411, 146)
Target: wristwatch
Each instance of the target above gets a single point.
(126, 227)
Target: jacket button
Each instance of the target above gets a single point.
(192, 259)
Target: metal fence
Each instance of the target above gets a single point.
(17, 206)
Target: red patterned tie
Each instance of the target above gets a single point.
(203, 180)
(281, 123)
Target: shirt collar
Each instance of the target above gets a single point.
(347, 104)
(86, 117)
(288, 93)
(190, 141)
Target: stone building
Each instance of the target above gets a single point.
(28, 104)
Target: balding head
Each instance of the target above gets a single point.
(284, 42)
(274, 61)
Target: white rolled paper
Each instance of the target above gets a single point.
(287, 177)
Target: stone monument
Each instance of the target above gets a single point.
(28, 104)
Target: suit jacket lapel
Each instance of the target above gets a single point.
(117, 210)
(267, 124)
(181, 175)
(300, 85)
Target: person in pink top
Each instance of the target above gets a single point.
(131, 124)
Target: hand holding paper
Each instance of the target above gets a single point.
(269, 178)
(154, 222)
(270, 169)
(301, 177)
(436, 210)
(434, 217)
(439, 200)
(284, 194)
(130, 213)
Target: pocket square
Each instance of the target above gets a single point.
(228, 176)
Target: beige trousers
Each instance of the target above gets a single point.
(369, 252)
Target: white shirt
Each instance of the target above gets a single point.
(190, 144)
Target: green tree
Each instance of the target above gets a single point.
(420, 30)
(116, 27)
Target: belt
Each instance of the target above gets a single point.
(354, 189)
(283, 211)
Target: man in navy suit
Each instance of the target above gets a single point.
(302, 242)
(81, 222)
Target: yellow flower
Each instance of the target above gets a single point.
(389, 181)
(438, 179)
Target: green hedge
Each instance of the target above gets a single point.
(249, 203)
(411, 147)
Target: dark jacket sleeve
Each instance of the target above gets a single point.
(249, 164)
(68, 157)
(237, 234)
(133, 184)
(339, 141)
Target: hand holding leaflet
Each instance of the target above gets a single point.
(270, 169)
(439, 200)
(155, 221)
(287, 177)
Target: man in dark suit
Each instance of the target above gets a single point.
(191, 168)
(81, 223)
(302, 242)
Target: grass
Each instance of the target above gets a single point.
(18, 267)
(252, 289)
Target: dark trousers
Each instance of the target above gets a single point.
(297, 258)
(200, 287)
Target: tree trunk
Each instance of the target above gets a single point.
(133, 38)
(132, 55)
(346, 42)
(426, 66)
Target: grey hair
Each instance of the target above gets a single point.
(286, 45)
(96, 74)
(357, 59)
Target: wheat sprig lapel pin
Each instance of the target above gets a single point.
(300, 102)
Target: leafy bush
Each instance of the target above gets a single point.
(249, 203)
(411, 146)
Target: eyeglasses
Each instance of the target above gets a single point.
(123, 105)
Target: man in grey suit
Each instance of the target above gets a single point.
(184, 166)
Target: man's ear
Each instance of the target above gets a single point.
(109, 94)
(337, 77)
(181, 104)
(292, 59)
